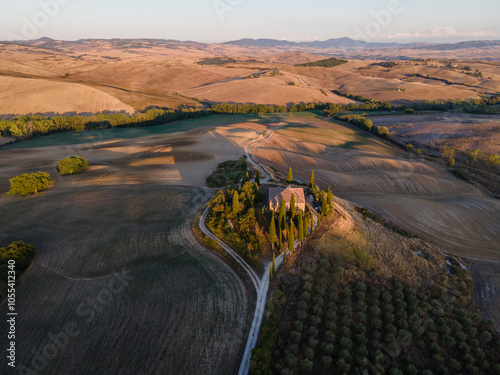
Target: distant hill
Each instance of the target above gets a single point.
(334, 43)
(473, 44)
(330, 43)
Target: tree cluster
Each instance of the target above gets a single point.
(22, 253)
(472, 157)
(216, 61)
(72, 165)
(227, 173)
(326, 63)
(388, 64)
(233, 218)
(29, 183)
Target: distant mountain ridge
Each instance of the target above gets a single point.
(330, 43)
(333, 43)
(352, 43)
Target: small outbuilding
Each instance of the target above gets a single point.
(276, 194)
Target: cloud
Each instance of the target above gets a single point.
(441, 31)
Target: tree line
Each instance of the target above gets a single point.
(26, 127)
(484, 105)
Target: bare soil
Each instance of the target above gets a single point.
(430, 131)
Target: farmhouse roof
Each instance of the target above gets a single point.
(275, 195)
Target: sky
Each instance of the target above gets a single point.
(216, 21)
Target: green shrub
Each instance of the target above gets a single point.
(27, 184)
(22, 253)
(227, 173)
(388, 64)
(72, 165)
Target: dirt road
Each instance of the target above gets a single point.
(261, 285)
(261, 288)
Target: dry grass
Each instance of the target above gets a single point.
(22, 96)
(139, 78)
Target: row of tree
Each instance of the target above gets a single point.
(485, 105)
(25, 127)
(366, 124)
(341, 324)
(472, 157)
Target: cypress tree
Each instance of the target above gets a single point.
(301, 227)
(292, 206)
(330, 197)
(272, 232)
(282, 215)
(289, 176)
(306, 228)
(311, 180)
(257, 177)
(291, 237)
(274, 264)
(236, 203)
(271, 274)
(312, 223)
(324, 205)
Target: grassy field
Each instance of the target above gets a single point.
(182, 309)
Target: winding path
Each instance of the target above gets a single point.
(261, 288)
(261, 285)
(301, 80)
(265, 177)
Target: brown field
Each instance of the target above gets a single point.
(26, 95)
(132, 211)
(184, 311)
(417, 195)
(144, 156)
(461, 131)
(96, 76)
